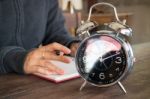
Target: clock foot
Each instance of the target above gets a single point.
(122, 87)
(83, 85)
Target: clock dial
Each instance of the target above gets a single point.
(101, 59)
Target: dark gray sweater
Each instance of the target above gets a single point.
(24, 25)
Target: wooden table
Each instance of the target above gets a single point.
(31, 87)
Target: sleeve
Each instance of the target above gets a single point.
(12, 59)
(56, 31)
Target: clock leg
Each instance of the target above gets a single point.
(122, 87)
(83, 85)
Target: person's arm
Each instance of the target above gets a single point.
(12, 59)
(56, 31)
(17, 59)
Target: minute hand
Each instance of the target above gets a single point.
(110, 56)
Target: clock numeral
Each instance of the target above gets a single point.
(118, 60)
(92, 74)
(102, 76)
(117, 69)
(110, 75)
(111, 80)
(84, 59)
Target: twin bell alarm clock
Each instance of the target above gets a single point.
(104, 56)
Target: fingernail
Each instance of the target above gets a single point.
(68, 50)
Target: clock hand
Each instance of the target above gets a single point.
(110, 56)
(101, 60)
(105, 65)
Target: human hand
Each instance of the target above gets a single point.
(73, 48)
(38, 60)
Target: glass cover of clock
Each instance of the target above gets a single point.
(101, 59)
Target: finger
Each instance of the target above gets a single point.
(50, 67)
(42, 70)
(55, 69)
(57, 46)
(73, 51)
(74, 48)
(61, 58)
(52, 56)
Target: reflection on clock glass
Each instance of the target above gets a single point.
(101, 59)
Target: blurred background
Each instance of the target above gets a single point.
(136, 12)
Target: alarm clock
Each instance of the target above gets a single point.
(104, 56)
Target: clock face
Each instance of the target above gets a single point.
(101, 59)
